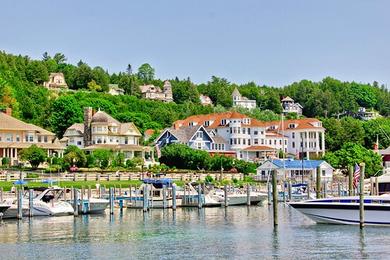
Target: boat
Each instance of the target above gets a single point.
(89, 206)
(3, 209)
(155, 195)
(46, 203)
(345, 210)
(189, 197)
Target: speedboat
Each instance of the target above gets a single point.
(345, 210)
(3, 209)
(46, 203)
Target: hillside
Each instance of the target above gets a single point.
(21, 88)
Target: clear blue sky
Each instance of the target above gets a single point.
(269, 42)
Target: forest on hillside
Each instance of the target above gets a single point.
(21, 80)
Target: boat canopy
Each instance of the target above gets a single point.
(158, 183)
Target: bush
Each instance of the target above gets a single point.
(5, 161)
(32, 175)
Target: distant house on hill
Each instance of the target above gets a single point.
(156, 93)
(115, 90)
(289, 106)
(56, 80)
(240, 101)
(367, 114)
(205, 100)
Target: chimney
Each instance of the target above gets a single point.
(88, 113)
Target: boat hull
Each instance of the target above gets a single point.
(344, 213)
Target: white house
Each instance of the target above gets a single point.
(289, 106)
(240, 101)
(254, 140)
(293, 169)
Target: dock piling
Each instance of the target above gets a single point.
(318, 182)
(275, 197)
(248, 195)
(225, 195)
(20, 203)
(269, 185)
(376, 186)
(30, 202)
(289, 191)
(75, 202)
(1, 194)
(164, 196)
(339, 189)
(174, 196)
(111, 196)
(361, 195)
(199, 197)
(145, 198)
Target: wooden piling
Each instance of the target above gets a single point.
(361, 195)
(164, 196)
(350, 180)
(75, 202)
(284, 192)
(174, 196)
(199, 196)
(30, 202)
(275, 197)
(145, 198)
(269, 187)
(111, 194)
(308, 190)
(1, 194)
(289, 190)
(20, 204)
(248, 195)
(318, 182)
(225, 195)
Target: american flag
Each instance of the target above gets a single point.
(356, 176)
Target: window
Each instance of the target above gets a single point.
(280, 142)
(17, 138)
(206, 123)
(223, 122)
(249, 141)
(199, 135)
(293, 135)
(243, 141)
(78, 142)
(249, 131)
(323, 172)
(244, 130)
(39, 139)
(262, 141)
(45, 139)
(199, 145)
(9, 138)
(255, 132)
(256, 141)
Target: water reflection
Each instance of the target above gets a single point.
(235, 232)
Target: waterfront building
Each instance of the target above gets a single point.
(240, 101)
(56, 80)
(16, 135)
(100, 130)
(254, 140)
(205, 100)
(293, 169)
(115, 90)
(156, 93)
(289, 106)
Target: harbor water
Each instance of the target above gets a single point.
(211, 233)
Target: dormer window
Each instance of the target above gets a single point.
(192, 123)
(206, 123)
(223, 122)
(246, 121)
(291, 126)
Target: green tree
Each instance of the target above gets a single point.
(82, 75)
(145, 73)
(34, 155)
(36, 72)
(103, 157)
(75, 156)
(65, 111)
(93, 86)
(351, 154)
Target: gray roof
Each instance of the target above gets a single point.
(184, 134)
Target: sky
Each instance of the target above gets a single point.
(269, 42)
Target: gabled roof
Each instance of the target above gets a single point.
(287, 99)
(10, 123)
(236, 92)
(103, 117)
(184, 134)
(125, 127)
(385, 151)
(78, 127)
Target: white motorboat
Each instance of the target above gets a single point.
(47, 203)
(92, 205)
(345, 210)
